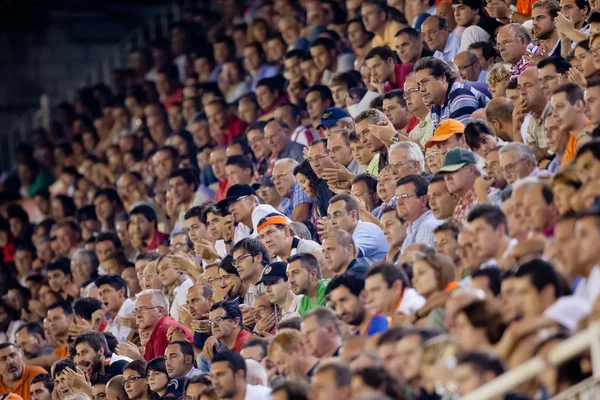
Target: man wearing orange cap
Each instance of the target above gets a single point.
(275, 234)
(448, 135)
(15, 376)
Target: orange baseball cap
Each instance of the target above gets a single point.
(446, 129)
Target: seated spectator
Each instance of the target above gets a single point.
(278, 290)
(438, 37)
(16, 377)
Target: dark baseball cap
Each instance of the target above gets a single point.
(234, 193)
(264, 181)
(331, 116)
(274, 272)
(457, 158)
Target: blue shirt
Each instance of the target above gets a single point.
(371, 242)
(421, 231)
(298, 197)
(460, 102)
(293, 150)
(266, 71)
(451, 49)
(378, 324)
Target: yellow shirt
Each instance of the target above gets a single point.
(391, 28)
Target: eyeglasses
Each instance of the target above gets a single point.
(218, 320)
(279, 176)
(211, 281)
(408, 92)
(143, 309)
(465, 66)
(133, 379)
(235, 201)
(318, 157)
(237, 261)
(595, 51)
(511, 167)
(406, 195)
(506, 43)
(433, 155)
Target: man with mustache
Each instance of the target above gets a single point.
(92, 356)
(15, 376)
(32, 341)
(304, 276)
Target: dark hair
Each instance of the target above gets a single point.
(482, 362)
(323, 91)
(195, 211)
(594, 17)
(185, 347)
(492, 215)
(351, 203)
(147, 211)
(233, 359)
(560, 64)
(46, 379)
(68, 205)
(86, 306)
(95, 340)
(253, 246)
(354, 282)
(64, 305)
(114, 281)
(439, 68)
(227, 265)
(294, 389)
(369, 180)
(138, 366)
(256, 342)
(62, 264)
(111, 340)
(410, 32)
(61, 365)
(590, 147)
(241, 161)
(307, 261)
(297, 53)
(472, 4)
(305, 169)
(493, 275)
(421, 184)
(487, 49)
(110, 237)
(541, 274)
(378, 378)
(231, 308)
(157, 364)
(473, 132)
(325, 42)
(390, 273)
(33, 328)
(383, 52)
(290, 323)
(396, 94)
(189, 175)
(574, 92)
(392, 335)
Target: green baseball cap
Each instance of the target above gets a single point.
(457, 158)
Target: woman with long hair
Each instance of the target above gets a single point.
(135, 381)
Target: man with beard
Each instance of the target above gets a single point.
(92, 356)
(250, 257)
(304, 276)
(228, 372)
(32, 341)
(544, 29)
(15, 376)
(345, 293)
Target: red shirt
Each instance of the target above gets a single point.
(401, 71)
(414, 121)
(222, 190)
(242, 337)
(233, 128)
(176, 97)
(158, 341)
(158, 236)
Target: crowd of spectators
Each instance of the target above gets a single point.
(300, 199)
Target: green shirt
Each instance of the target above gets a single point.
(306, 304)
(373, 167)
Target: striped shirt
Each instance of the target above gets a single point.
(461, 101)
(421, 231)
(521, 65)
(298, 197)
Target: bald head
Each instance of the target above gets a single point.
(278, 135)
(115, 389)
(468, 66)
(499, 108)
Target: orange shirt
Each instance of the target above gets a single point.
(62, 351)
(571, 150)
(22, 388)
